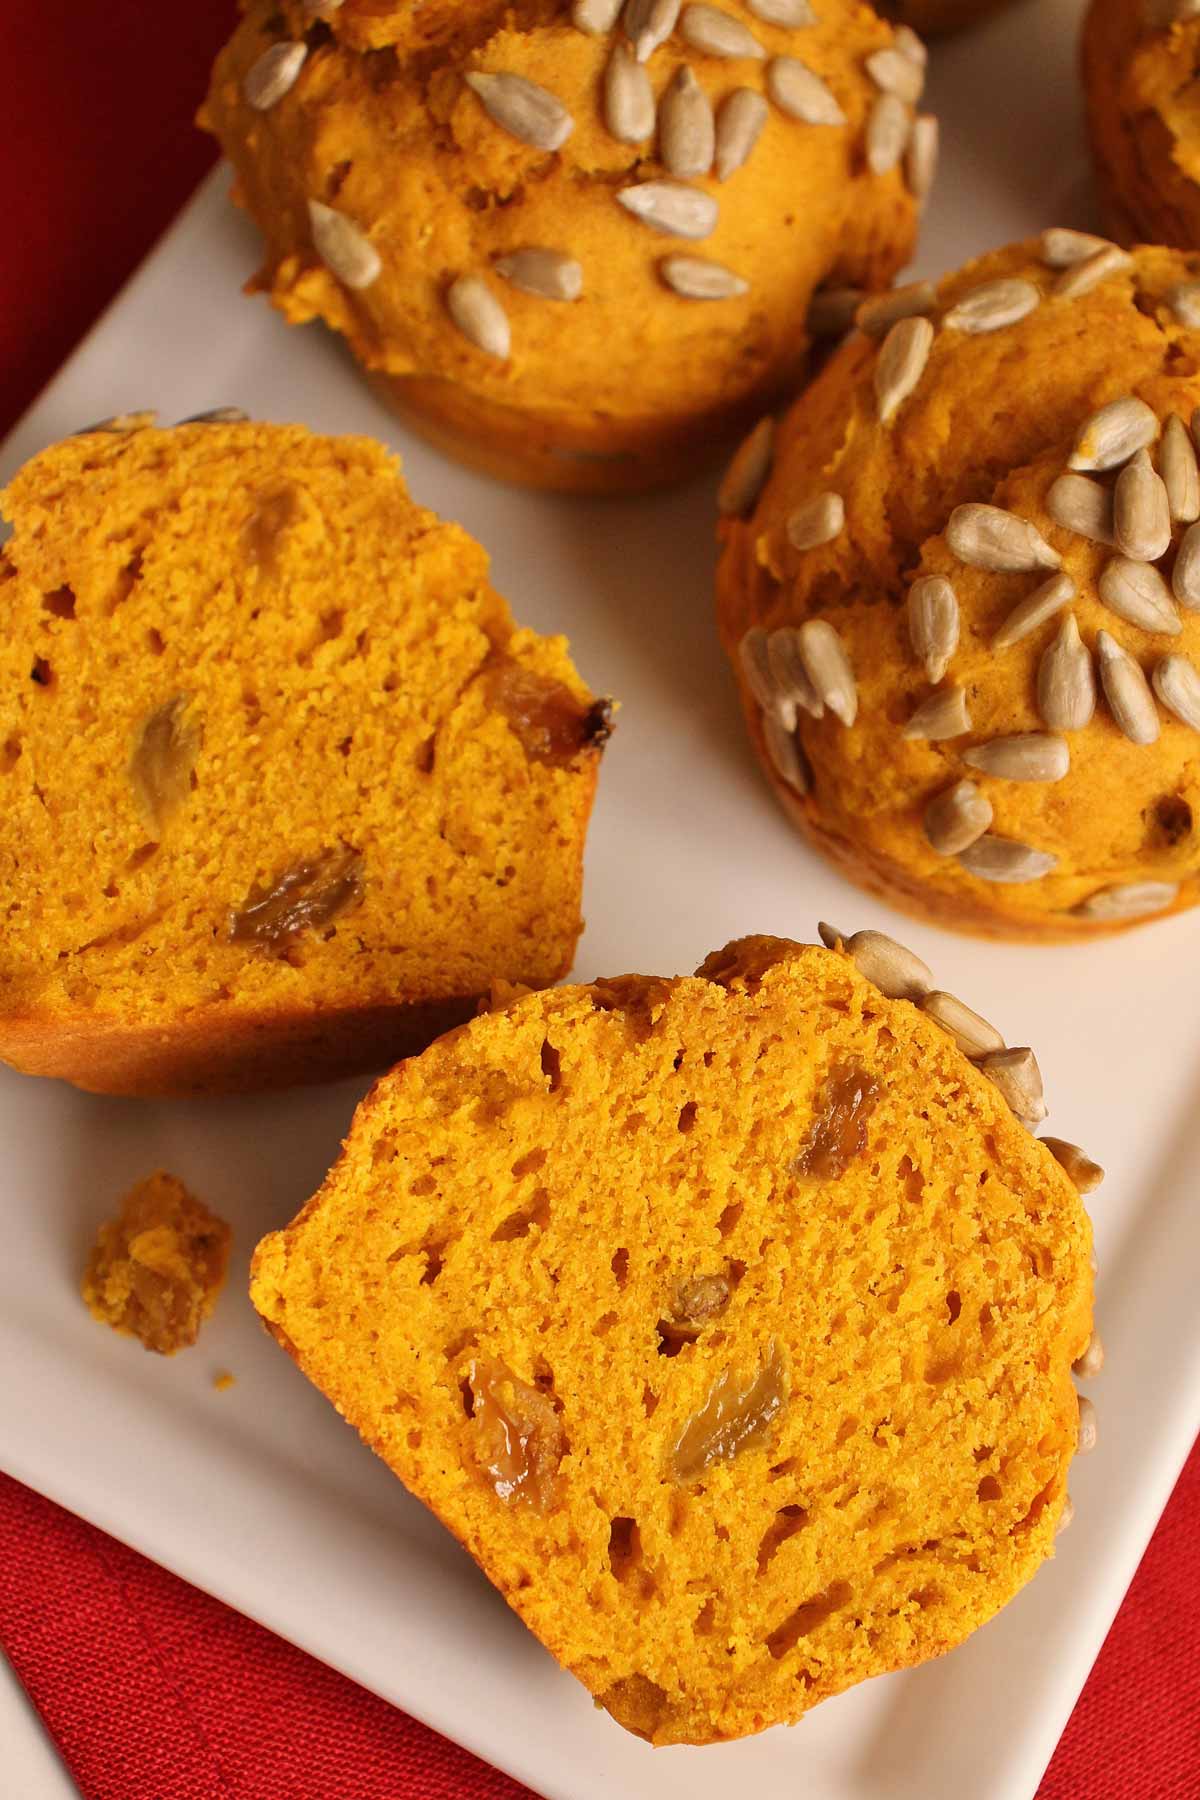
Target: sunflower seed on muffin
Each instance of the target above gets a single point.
(1129, 900)
(933, 623)
(740, 123)
(671, 208)
(1185, 576)
(1127, 691)
(974, 1035)
(273, 75)
(686, 128)
(828, 668)
(789, 13)
(1083, 506)
(1110, 436)
(649, 23)
(1066, 682)
(1061, 249)
(1178, 468)
(895, 73)
(118, 424)
(1092, 1360)
(479, 315)
(1176, 681)
(895, 970)
(787, 757)
(1047, 599)
(218, 415)
(889, 126)
(596, 17)
(343, 246)
(1002, 859)
(879, 312)
(1083, 276)
(1136, 592)
(1076, 1163)
(547, 274)
(1184, 302)
(747, 473)
(696, 278)
(797, 91)
(909, 44)
(901, 364)
(630, 110)
(521, 107)
(716, 33)
(955, 818)
(788, 675)
(1016, 1074)
(1024, 756)
(988, 537)
(1088, 1433)
(818, 521)
(921, 157)
(992, 306)
(944, 715)
(1141, 510)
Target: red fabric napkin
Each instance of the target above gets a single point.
(152, 1690)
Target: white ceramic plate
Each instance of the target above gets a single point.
(260, 1494)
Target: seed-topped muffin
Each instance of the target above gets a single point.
(728, 1321)
(285, 789)
(574, 243)
(1139, 66)
(960, 588)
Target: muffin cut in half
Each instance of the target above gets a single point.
(960, 586)
(728, 1322)
(285, 789)
(573, 244)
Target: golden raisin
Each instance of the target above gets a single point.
(304, 898)
(698, 1300)
(736, 1416)
(164, 755)
(518, 1436)
(838, 1132)
(551, 723)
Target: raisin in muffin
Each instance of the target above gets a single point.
(572, 244)
(285, 788)
(960, 589)
(1139, 63)
(779, 1395)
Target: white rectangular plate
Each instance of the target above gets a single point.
(260, 1494)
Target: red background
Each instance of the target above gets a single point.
(152, 1690)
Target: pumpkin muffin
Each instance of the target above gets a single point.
(728, 1321)
(959, 586)
(156, 1270)
(573, 244)
(1139, 62)
(285, 789)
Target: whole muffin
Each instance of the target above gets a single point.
(964, 598)
(285, 787)
(739, 1381)
(1139, 61)
(572, 245)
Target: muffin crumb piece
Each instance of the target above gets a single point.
(156, 1269)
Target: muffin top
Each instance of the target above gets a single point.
(526, 199)
(937, 536)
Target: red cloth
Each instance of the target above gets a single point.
(151, 1690)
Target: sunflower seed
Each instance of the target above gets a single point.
(1092, 1360)
(717, 33)
(789, 677)
(787, 758)
(974, 1035)
(830, 936)
(343, 246)
(987, 537)
(1178, 468)
(549, 274)
(921, 157)
(1082, 506)
(933, 623)
(801, 94)
(789, 13)
(747, 473)
(649, 23)
(479, 315)
(1066, 684)
(1135, 591)
(828, 668)
(686, 130)
(818, 521)
(119, 424)
(1002, 859)
(831, 311)
(1016, 1074)
(1046, 600)
(628, 98)
(739, 127)
(909, 44)
(528, 112)
(1184, 302)
(887, 965)
(889, 124)
(754, 661)
(273, 75)
(668, 207)
(1082, 277)
(1127, 691)
(1110, 437)
(1061, 248)
(1025, 756)
(1078, 1166)
(1088, 1436)
(217, 415)
(1129, 900)
(991, 306)
(901, 364)
(1066, 1516)
(1141, 511)
(955, 818)
(895, 73)
(879, 312)
(944, 715)
(596, 17)
(695, 278)
(1176, 681)
(1185, 576)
